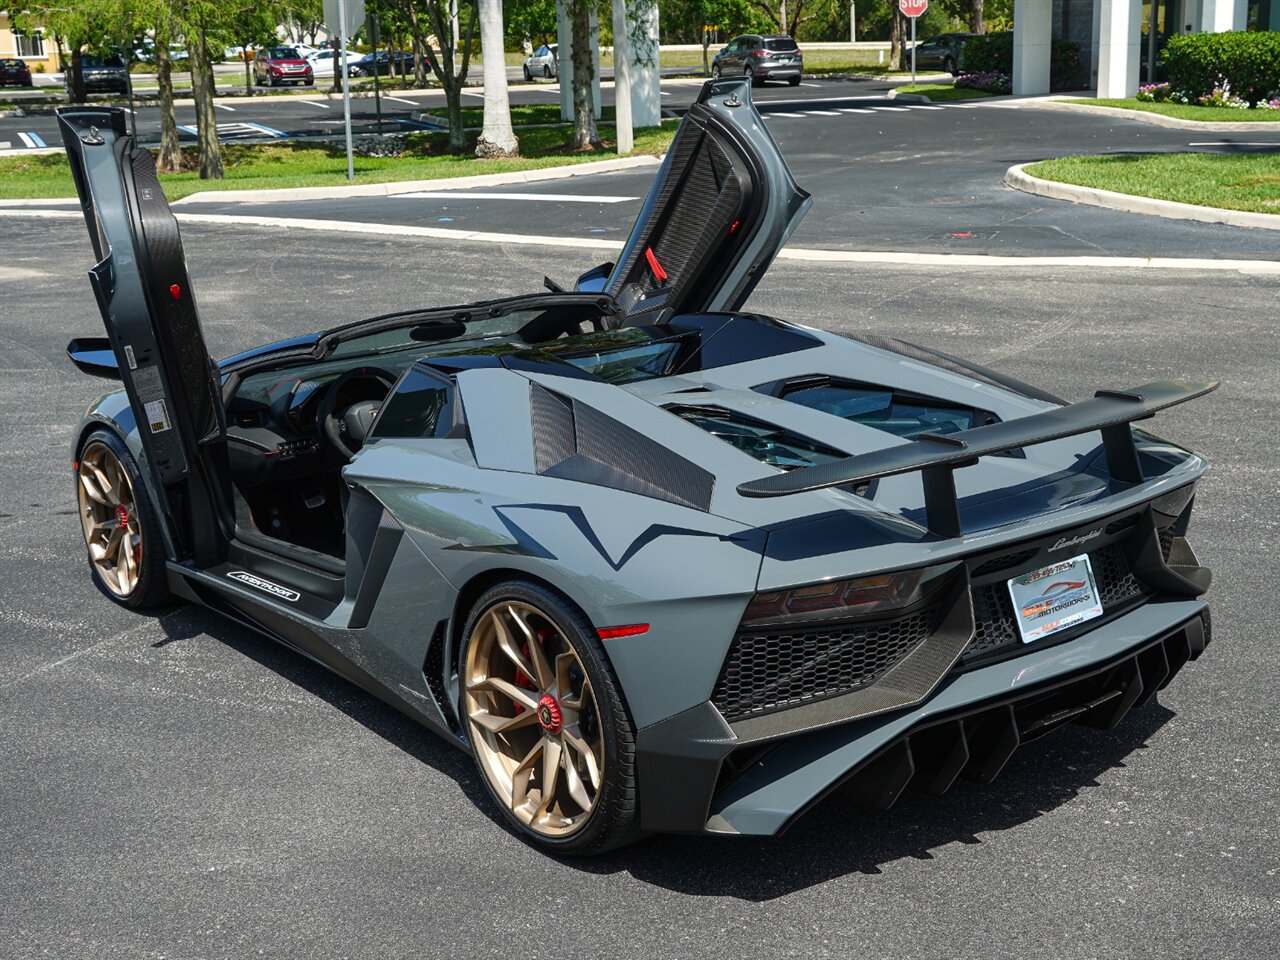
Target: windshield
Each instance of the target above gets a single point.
(283, 53)
(905, 417)
(93, 61)
(780, 43)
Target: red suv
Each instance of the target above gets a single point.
(14, 72)
(277, 65)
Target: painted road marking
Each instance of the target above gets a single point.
(223, 106)
(26, 140)
(557, 197)
(793, 116)
(238, 131)
(417, 124)
(803, 84)
(5, 144)
(894, 109)
(387, 96)
(315, 103)
(1236, 143)
(922, 106)
(853, 109)
(825, 113)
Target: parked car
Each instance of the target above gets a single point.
(543, 62)
(945, 51)
(324, 63)
(14, 73)
(770, 57)
(398, 62)
(658, 564)
(101, 74)
(276, 65)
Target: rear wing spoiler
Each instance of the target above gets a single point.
(936, 456)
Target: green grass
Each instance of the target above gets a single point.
(942, 91)
(521, 114)
(294, 164)
(1236, 181)
(1185, 111)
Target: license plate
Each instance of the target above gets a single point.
(1054, 598)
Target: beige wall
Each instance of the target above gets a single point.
(9, 48)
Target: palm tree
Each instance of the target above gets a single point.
(497, 139)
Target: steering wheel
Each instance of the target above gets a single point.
(346, 431)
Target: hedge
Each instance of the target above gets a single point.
(1245, 62)
(993, 53)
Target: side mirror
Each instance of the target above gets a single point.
(595, 279)
(94, 356)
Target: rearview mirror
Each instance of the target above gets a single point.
(94, 356)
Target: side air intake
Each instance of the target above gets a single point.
(573, 441)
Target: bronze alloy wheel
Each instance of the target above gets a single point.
(533, 718)
(110, 519)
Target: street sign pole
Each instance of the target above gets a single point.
(913, 9)
(913, 51)
(374, 31)
(346, 85)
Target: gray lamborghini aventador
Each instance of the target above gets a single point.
(657, 563)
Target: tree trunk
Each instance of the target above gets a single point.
(585, 134)
(77, 76)
(170, 159)
(895, 41)
(782, 15)
(497, 139)
(210, 152)
(976, 22)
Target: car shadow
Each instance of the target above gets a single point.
(186, 621)
(834, 839)
(837, 838)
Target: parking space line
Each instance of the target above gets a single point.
(5, 144)
(317, 103)
(825, 113)
(26, 140)
(894, 109)
(853, 110)
(803, 84)
(223, 106)
(267, 130)
(922, 106)
(412, 103)
(793, 116)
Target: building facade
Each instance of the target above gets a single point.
(1120, 39)
(39, 51)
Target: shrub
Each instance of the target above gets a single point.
(1247, 63)
(994, 52)
(989, 81)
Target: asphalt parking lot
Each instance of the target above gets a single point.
(175, 786)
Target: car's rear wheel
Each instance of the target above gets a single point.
(949, 65)
(751, 75)
(546, 722)
(546, 71)
(527, 75)
(794, 81)
(120, 526)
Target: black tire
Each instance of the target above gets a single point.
(152, 588)
(715, 70)
(794, 82)
(528, 77)
(546, 71)
(615, 820)
(751, 75)
(309, 83)
(271, 80)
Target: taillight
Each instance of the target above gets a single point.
(843, 598)
(759, 53)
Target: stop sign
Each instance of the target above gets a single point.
(913, 8)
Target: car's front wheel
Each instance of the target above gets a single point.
(546, 71)
(120, 526)
(527, 75)
(715, 70)
(546, 721)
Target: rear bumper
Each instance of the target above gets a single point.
(779, 72)
(696, 775)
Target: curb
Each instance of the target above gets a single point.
(1017, 178)
(907, 97)
(1160, 120)
(413, 186)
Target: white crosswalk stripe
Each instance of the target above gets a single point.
(894, 109)
(825, 113)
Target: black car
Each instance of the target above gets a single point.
(14, 73)
(945, 51)
(761, 58)
(399, 63)
(102, 74)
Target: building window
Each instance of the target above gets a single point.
(29, 44)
